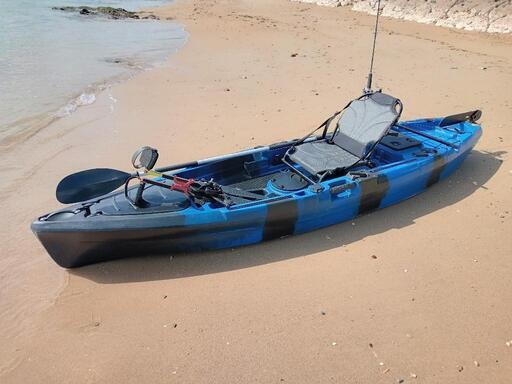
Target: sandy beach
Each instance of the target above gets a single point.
(418, 292)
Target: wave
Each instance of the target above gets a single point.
(69, 108)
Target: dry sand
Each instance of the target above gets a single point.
(306, 309)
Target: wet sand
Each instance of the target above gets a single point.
(421, 289)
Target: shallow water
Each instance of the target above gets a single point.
(51, 61)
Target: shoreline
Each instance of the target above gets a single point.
(268, 88)
(22, 129)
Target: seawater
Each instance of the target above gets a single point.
(51, 61)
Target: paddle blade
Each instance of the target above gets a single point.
(471, 116)
(86, 185)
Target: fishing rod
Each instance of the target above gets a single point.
(368, 88)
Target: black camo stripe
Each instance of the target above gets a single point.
(280, 220)
(438, 166)
(373, 190)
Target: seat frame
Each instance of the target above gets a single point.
(324, 136)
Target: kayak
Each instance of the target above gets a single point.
(255, 195)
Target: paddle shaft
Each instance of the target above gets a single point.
(428, 136)
(211, 159)
(231, 156)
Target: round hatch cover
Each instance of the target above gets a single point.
(288, 181)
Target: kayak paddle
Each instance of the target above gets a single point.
(92, 183)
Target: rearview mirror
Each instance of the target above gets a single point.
(145, 157)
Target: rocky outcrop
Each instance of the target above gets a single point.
(110, 12)
(476, 15)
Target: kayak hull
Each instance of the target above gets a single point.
(108, 228)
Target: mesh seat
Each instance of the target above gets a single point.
(363, 123)
(318, 156)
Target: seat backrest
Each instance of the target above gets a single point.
(365, 122)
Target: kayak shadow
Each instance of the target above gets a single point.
(476, 170)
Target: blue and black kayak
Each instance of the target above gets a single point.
(250, 196)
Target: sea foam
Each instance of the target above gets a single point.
(69, 108)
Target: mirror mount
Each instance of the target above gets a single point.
(143, 159)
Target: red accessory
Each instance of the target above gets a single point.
(182, 185)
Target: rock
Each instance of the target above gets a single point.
(414, 376)
(150, 17)
(110, 12)
(294, 55)
(460, 368)
(476, 15)
(374, 256)
(477, 364)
